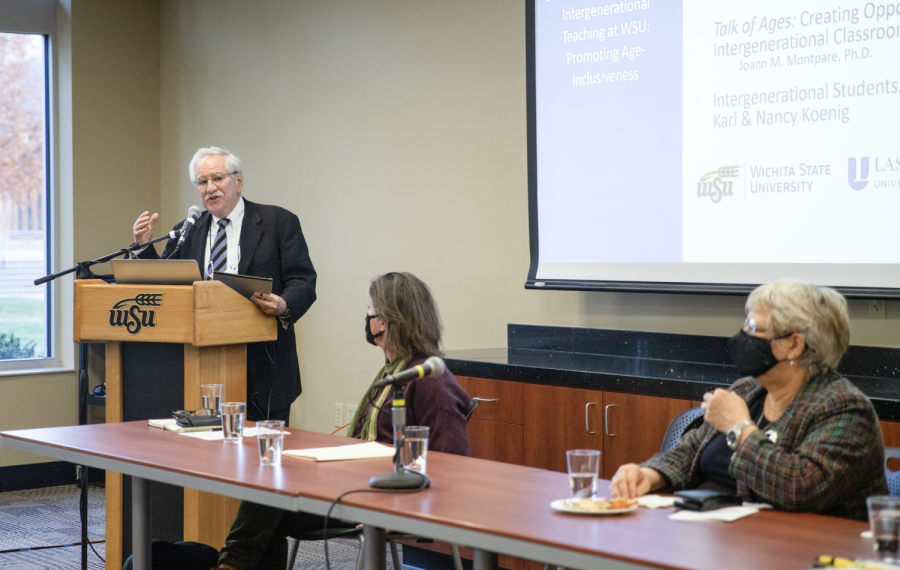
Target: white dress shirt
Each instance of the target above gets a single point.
(233, 235)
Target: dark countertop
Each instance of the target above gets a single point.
(635, 375)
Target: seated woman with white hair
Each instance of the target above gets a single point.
(792, 432)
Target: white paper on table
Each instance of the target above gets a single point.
(205, 435)
(656, 502)
(162, 423)
(866, 534)
(726, 514)
(219, 434)
(365, 450)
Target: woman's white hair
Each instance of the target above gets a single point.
(232, 163)
(818, 314)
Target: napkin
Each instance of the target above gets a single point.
(727, 514)
(656, 502)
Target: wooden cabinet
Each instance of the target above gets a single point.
(634, 427)
(561, 419)
(496, 430)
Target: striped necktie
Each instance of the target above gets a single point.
(218, 255)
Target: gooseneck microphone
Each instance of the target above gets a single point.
(434, 366)
(192, 215)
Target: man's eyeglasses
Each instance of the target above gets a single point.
(216, 179)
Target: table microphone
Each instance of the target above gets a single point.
(434, 366)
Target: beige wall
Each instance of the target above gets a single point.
(108, 161)
(396, 131)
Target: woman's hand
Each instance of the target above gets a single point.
(724, 409)
(631, 481)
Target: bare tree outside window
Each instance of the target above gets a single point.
(23, 236)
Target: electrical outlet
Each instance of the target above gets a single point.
(877, 310)
(338, 414)
(351, 409)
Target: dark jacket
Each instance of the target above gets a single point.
(272, 245)
(439, 403)
(827, 458)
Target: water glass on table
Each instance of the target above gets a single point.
(211, 398)
(270, 434)
(232, 421)
(884, 518)
(584, 467)
(414, 452)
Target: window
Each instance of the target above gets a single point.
(25, 326)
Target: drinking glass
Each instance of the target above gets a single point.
(414, 453)
(584, 466)
(884, 518)
(211, 398)
(232, 421)
(270, 434)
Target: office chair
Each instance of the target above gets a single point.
(893, 477)
(392, 537)
(680, 425)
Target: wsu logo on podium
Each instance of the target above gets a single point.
(131, 313)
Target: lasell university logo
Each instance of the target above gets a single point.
(129, 313)
(714, 186)
(864, 173)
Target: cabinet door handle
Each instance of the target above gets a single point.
(587, 417)
(486, 399)
(606, 420)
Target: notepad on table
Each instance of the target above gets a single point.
(367, 450)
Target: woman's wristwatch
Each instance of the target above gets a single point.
(734, 434)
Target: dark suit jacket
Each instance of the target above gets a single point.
(272, 245)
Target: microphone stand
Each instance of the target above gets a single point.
(400, 478)
(83, 267)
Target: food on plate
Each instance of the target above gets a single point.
(589, 504)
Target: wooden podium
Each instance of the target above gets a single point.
(214, 324)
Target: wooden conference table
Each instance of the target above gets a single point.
(496, 508)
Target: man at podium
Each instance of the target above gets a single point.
(235, 235)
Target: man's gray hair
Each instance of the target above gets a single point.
(232, 163)
(818, 314)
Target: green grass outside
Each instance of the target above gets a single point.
(26, 319)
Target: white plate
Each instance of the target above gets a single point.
(563, 505)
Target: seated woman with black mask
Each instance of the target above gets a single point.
(403, 321)
(792, 432)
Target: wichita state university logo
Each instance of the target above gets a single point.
(130, 313)
(714, 186)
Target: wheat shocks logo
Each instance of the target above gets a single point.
(713, 185)
(129, 313)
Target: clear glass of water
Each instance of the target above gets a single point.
(584, 467)
(232, 421)
(270, 434)
(884, 518)
(211, 398)
(414, 452)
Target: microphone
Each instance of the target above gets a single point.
(192, 215)
(434, 366)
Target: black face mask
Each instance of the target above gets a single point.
(370, 338)
(751, 354)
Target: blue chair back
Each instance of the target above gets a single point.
(680, 424)
(893, 477)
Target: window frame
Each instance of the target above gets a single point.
(39, 17)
